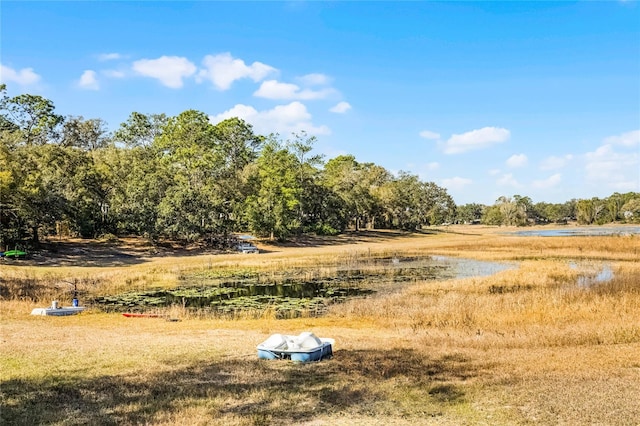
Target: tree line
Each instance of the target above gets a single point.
(521, 210)
(186, 179)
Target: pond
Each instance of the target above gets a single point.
(296, 291)
(592, 274)
(584, 231)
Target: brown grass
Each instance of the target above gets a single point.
(525, 346)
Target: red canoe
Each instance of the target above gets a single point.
(135, 315)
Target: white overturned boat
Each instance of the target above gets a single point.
(302, 348)
(58, 311)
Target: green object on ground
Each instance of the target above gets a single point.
(15, 253)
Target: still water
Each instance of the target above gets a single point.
(291, 292)
(585, 231)
(592, 274)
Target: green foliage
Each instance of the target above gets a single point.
(324, 229)
(140, 129)
(631, 210)
(589, 211)
(33, 116)
(408, 203)
(86, 134)
(469, 213)
(108, 238)
(134, 181)
(273, 209)
(493, 216)
(364, 189)
(186, 179)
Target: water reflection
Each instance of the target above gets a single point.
(587, 231)
(587, 280)
(294, 290)
(297, 290)
(592, 274)
(467, 268)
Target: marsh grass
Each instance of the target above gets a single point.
(523, 346)
(539, 304)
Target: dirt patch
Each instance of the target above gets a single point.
(93, 253)
(350, 237)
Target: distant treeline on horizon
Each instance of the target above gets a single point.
(185, 179)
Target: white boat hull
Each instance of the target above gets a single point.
(303, 348)
(58, 312)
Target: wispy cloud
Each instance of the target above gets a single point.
(273, 89)
(615, 164)
(283, 119)
(114, 73)
(109, 56)
(456, 182)
(629, 139)
(507, 179)
(554, 163)
(433, 166)
(23, 77)
(170, 70)
(88, 81)
(550, 182)
(340, 107)
(517, 160)
(611, 169)
(475, 139)
(314, 79)
(428, 134)
(223, 69)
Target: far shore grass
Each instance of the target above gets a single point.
(522, 347)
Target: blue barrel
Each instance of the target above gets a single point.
(75, 303)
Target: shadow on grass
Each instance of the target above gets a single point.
(348, 237)
(435, 231)
(352, 383)
(362, 236)
(88, 253)
(94, 253)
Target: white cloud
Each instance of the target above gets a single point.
(341, 107)
(456, 182)
(629, 139)
(555, 163)
(433, 166)
(614, 170)
(612, 166)
(113, 73)
(283, 119)
(170, 70)
(89, 81)
(314, 80)
(549, 182)
(517, 160)
(272, 89)
(494, 172)
(109, 56)
(222, 70)
(23, 77)
(428, 134)
(507, 179)
(476, 139)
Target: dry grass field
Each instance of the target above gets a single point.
(541, 343)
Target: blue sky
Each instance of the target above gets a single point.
(483, 98)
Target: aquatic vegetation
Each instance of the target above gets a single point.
(286, 300)
(296, 291)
